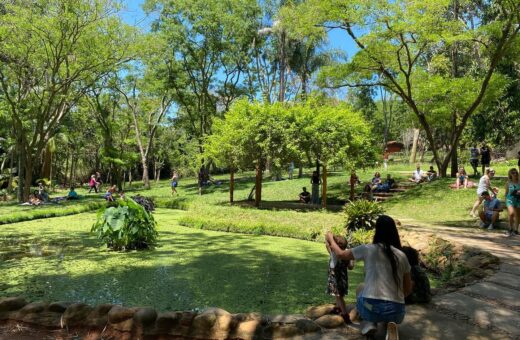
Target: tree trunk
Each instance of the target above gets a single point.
(414, 145)
(11, 166)
(454, 163)
(231, 185)
(281, 94)
(66, 173)
(258, 185)
(28, 167)
(300, 170)
(324, 187)
(146, 177)
(21, 173)
(72, 179)
(47, 163)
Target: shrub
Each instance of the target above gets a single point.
(126, 226)
(362, 214)
(146, 202)
(359, 237)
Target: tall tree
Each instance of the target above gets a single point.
(209, 44)
(51, 52)
(404, 46)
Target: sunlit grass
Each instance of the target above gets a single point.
(57, 259)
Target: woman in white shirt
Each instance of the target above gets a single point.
(387, 277)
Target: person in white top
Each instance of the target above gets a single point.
(387, 277)
(418, 175)
(483, 185)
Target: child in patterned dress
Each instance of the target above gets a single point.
(337, 283)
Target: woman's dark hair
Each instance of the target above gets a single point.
(386, 235)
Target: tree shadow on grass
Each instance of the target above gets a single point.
(287, 205)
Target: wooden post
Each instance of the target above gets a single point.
(231, 185)
(324, 187)
(414, 145)
(258, 184)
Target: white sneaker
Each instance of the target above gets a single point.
(482, 224)
(368, 328)
(490, 227)
(392, 333)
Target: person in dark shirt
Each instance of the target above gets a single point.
(485, 157)
(421, 292)
(305, 196)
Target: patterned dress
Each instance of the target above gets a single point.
(513, 200)
(337, 283)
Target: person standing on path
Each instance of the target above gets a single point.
(483, 185)
(386, 155)
(315, 194)
(485, 156)
(513, 201)
(387, 277)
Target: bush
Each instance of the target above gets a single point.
(126, 226)
(362, 214)
(146, 202)
(359, 237)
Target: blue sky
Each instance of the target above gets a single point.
(132, 14)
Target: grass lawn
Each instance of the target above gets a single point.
(58, 259)
(13, 212)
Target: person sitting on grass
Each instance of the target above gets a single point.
(489, 215)
(337, 283)
(431, 174)
(109, 196)
(421, 292)
(33, 200)
(461, 179)
(305, 196)
(72, 195)
(418, 175)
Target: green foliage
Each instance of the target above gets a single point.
(126, 226)
(359, 237)
(430, 53)
(10, 213)
(362, 214)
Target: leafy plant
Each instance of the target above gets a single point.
(362, 214)
(126, 226)
(359, 237)
(146, 202)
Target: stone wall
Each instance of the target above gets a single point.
(143, 322)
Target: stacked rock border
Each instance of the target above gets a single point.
(120, 322)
